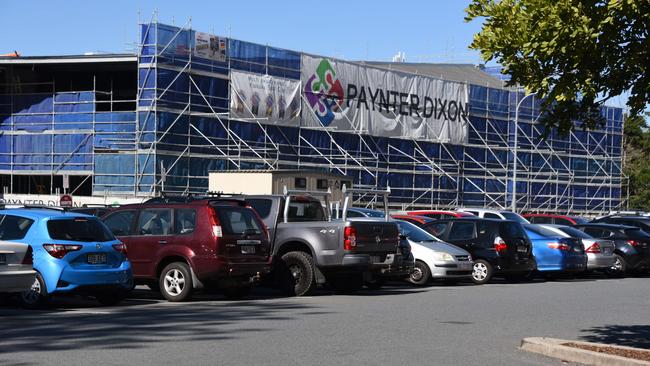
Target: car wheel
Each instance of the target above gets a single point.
(481, 272)
(619, 268)
(237, 293)
(421, 274)
(110, 298)
(37, 296)
(298, 277)
(176, 282)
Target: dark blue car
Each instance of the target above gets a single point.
(554, 253)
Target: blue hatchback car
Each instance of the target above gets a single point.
(73, 252)
(555, 253)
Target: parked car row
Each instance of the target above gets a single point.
(180, 245)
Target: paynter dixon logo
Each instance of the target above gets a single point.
(324, 92)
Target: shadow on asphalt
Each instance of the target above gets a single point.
(130, 326)
(623, 335)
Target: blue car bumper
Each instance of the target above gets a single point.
(69, 278)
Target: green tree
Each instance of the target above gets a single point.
(637, 168)
(577, 54)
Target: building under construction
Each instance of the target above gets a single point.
(440, 135)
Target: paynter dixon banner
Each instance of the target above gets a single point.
(264, 98)
(354, 97)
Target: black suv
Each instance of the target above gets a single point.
(498, 247)
(632, 245)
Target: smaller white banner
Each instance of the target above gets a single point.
(209, 46)
(267, 99)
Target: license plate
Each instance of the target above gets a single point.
(375, 259)
(3, 259)
(465, 266)
(98, 258)
(248, 249)
(522, 249)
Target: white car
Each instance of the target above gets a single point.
(16, 272)
(495, 214)
(435, 259)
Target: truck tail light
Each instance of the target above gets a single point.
(60, 250)
(500, 245)
(350, 238)
(594, 248)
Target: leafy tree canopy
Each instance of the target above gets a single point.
(577, 54)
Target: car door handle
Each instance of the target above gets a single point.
(162, 241)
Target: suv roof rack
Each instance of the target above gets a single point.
(348, 192)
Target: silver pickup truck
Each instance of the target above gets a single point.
(310, 248)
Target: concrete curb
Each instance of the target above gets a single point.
(553, 347)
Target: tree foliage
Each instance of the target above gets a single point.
(637, 167)
(577, 54)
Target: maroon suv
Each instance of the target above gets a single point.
(178, 245)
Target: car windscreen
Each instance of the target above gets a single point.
(575, 233)
(513, 216)
(635, 233)
(83, 229)
(371, 213)
(238, 220)
(414, 233)
(511, 230)
(541, 231)
(262, 206)
(14, 227)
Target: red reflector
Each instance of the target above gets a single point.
(633, 243)
(349, 238)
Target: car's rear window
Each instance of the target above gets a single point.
(238, 220)
(14, 227)
(636, 234)
(262, 206)
(541, 231)
(307, 210)
(511, 230)
(575, 233)
(83, 229)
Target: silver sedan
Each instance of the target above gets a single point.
(16, 272)
(600, 252)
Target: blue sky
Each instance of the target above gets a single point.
(427, 31)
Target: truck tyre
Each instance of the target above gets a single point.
(176, 282)
(297, 275)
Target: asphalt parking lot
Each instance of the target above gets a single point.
(398, 325)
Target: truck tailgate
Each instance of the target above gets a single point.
(376, 236)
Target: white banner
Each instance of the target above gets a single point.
(265, 98)
(209, 46)
(354, 97)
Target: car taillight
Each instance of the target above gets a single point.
(215, 224)
(500, 245)
(121, 247)
(60, 250)
(633, 243)
(559, 246)
(350, 238)
(594, 248)
(29, 256)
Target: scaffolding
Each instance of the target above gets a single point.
(181, 129)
